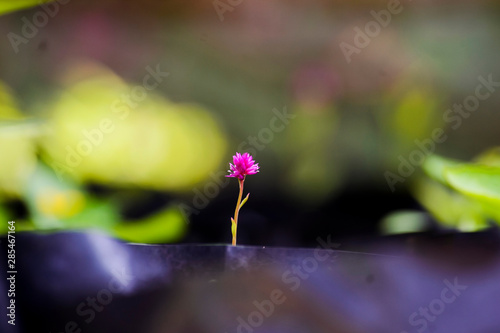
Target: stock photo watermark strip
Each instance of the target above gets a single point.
(11, 272)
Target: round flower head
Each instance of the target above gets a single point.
(242, 165)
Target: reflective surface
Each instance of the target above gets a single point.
(68, 282)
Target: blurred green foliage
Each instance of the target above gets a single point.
(400, 222)
(156, 144)
(7, 6)
(147, 141)
(166, 226)
(17, 148)
(313, 174)
(460, 194)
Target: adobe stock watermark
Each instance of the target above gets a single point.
(222, 6)
(292, 279)
(453, 116)
(420, 319)
(372, 29)
(252, 144)
(87, 310)
(120, 108)
(30, 27)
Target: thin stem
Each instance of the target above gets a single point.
(237, 210)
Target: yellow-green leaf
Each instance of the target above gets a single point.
(479, 181)
(244, 200)
(166, 226)
(435, 166)
(7, 6)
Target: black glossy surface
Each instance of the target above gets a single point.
(206, 288)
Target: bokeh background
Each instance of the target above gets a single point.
(123, 115)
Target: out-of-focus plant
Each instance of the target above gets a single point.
(17, 147)
(409, 114)
(101, 131)
(460, 194)
(7, 6)
(90, 135)
(310, 143)
(56, 205)
(404, 221)
(313, 173)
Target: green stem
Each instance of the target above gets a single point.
(237, 210)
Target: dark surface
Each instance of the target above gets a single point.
(206, 288)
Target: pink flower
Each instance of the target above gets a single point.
(242, 165)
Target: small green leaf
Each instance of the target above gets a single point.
(244, 200)
(233, 227)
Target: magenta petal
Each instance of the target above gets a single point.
(242, 165)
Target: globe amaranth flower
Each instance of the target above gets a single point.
(242, 165)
